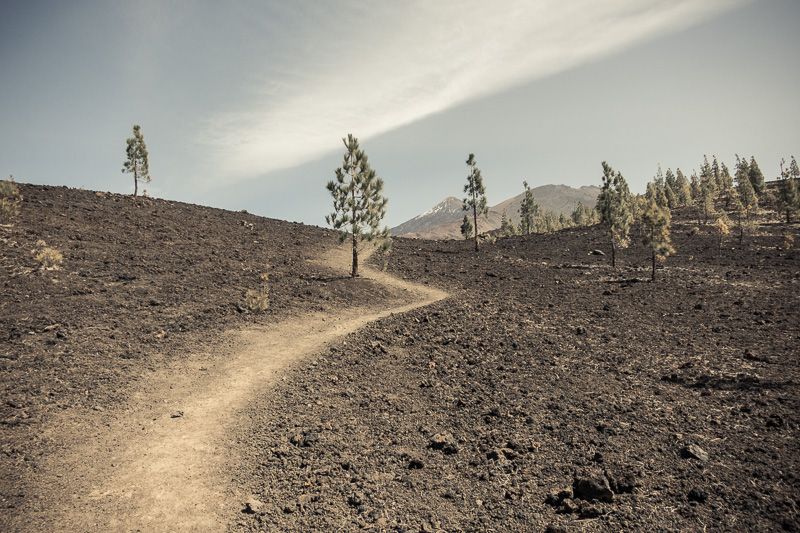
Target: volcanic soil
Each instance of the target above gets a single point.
(149, 302)
(548, 392)
(522, 388)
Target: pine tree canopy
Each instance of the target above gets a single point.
(358, 202)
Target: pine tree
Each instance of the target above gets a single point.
(137, 162)
(696, 189)
(583, 215)
(671, 189)
(724, 186)
(656, 192)
(656, 235)
(684, 189)
(528, 210)
(741, 171)
(578, 215)
(788, 198)
(547, 222)
(756, 177)
(614, 205)
(466, 228)
(745, 201)
(358, 202)
(507, 229)
(476, 195)
(716, 173)
(704, 197)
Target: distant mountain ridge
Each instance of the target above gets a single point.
(443, 221)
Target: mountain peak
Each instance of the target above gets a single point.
(443, 221)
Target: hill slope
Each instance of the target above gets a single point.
(143, 283)
(443, 221)
(545, 373)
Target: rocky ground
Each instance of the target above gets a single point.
(143, 283)
(548, 392)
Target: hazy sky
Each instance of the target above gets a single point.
(243, 104)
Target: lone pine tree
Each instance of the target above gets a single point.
(476, 195)
(655, 231)
(528, 210)
(614, 206)
(358, 202)
(137, 162)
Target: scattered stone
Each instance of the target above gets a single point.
(621, 482)
(444, 442)
(176, 414)
(597, 252)
(556, 497)
(378, 347)
(775, 421)
(568, 506)
(697, 495)
(580, 330)
(693, 451)
(355, 499)
(591, 488)
(253, 506)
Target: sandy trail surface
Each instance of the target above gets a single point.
(162, 462)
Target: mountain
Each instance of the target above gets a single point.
(443, 221)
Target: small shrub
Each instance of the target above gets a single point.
(10, 200)
(257, 300)
(49, 258)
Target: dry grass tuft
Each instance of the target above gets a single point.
(49, 258)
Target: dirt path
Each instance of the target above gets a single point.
(161, 463)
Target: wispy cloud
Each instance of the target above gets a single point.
(367, 67)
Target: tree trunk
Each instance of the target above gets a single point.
(135, 181)
(653, 276)
(475, 219)
(741, 232)
(354, 272)
(613, 255)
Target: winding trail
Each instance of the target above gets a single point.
(162, 463)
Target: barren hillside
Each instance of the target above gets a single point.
(550, 392)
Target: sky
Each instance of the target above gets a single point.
(243, 104)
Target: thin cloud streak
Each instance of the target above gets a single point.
(368, 71)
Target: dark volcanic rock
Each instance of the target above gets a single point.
(592, 487)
